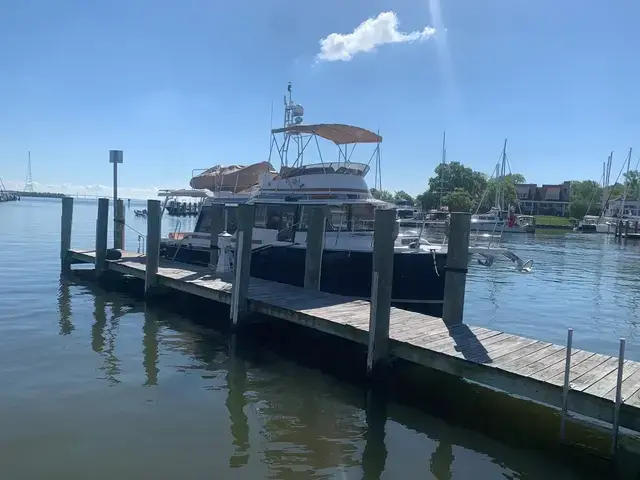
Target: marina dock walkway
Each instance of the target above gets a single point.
(520, 366)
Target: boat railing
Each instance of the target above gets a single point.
(176, 234)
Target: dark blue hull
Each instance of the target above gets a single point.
(418, 285)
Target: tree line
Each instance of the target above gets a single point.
(463, 189)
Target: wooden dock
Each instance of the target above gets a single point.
(520, 366)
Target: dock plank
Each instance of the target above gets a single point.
(513, 348)
(519, 363)
(587, 379)
(577, 357)
(630, 387)
(608, 383)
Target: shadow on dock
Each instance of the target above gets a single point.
(468, 344)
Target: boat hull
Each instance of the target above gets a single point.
(418, 283)
(595, 228)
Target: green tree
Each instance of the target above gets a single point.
(632, 182)
(401, 195)
(428, 200)
(508, 185)
(586, 198)
(454, 175)
(458, 200)
(383, 195)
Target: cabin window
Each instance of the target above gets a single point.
(274, 217)
(232, 223)
(303, 223)
(338, 218)
(260, 218)
(203, 225)
(362, 217)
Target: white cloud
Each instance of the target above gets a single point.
(367, 36)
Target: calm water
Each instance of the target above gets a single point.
(96, 385)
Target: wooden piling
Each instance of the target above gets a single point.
(620, 227)
(626, 229)
(242, 263)
(456, 270)
(565, 388)
(217, 227)
(65, 233)
(102, 226)
(616, 411)
(381, 285)
(118, 226)
(315, 246)
(154, 223)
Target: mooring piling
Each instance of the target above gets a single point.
(102, 226)
(616, 411)
(242, 263)
(315, 245)
(217, 212)
(626, 230)
(620, 229)
(154, 221)
(65, 233)
(457, 263)
(118, 226)
(566, 386)
(381, 286)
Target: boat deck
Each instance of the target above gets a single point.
(520, 366)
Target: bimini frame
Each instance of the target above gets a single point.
(346, 137)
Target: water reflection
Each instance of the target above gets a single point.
(64, 306)
(236, 403)
(441, 461)
(150, 330)
(103, 337)
(99, 323)
(375, 453)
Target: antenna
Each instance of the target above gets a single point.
(271, 124)
(28, 184)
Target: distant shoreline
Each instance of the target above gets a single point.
(39, 194)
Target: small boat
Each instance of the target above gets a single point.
(140, 213)
(176, 205)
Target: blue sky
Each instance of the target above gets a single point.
(189, 84)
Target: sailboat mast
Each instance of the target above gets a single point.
(443, 162)
(626, 182)
(500, 173)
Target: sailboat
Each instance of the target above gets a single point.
(606, 222)
(595, 223)
(498, 219)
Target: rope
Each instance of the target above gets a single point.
(129, 226)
